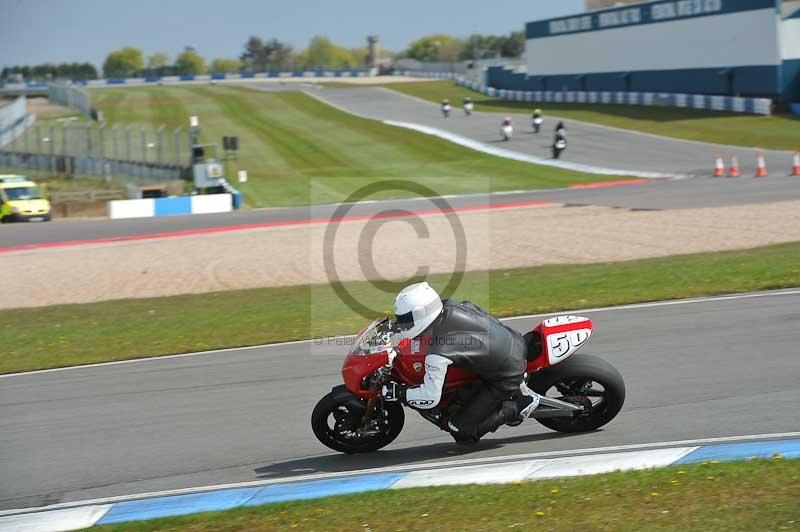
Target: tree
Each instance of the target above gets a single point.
(487, 46)
(189, 62)
(429, 48)
(513, 45)
(123, 63)
(254, 55)
(450, 51)
(157, 61)
(260, 55)
(71, 71)
(321, 52)
(279, 55)
(360, 55)
(225, 66)
(479, 47)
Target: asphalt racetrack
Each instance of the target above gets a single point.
(589, 144)
(710, 368)
(652, 195)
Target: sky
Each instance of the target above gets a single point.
(40, 31)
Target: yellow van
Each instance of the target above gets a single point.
(21, 200)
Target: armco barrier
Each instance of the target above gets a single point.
(732, 104)
(175, 206)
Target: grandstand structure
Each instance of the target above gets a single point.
(602, 4)
(745, 48)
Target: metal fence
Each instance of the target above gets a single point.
(121, 152)
(14, 120)
(69, 96)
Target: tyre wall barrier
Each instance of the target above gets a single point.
(733, 104)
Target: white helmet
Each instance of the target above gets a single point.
(415, 308)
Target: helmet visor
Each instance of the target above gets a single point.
(404, 321)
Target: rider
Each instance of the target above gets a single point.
(468, 106)
(537, 113)
(561, 131)
(463, 335)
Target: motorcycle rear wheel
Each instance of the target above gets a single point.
(337, 417)
(573, 381)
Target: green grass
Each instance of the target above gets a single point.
(298, 150)
(67, 335)
(746, 495)
(777, 132)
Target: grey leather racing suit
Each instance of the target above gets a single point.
(466, 336)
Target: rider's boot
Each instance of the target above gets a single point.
(507, 412)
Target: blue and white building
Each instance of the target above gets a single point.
(713, 47)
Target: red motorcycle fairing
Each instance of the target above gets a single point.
(410, 365)
(559, 338)
(356, 367)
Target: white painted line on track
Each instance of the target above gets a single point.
(667, 303)
(414, 467)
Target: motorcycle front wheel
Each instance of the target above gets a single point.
(337, 423)
(584, 380)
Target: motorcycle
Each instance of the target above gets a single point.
(446, 110)
(468, 108)
(506, 130)
(579, 392)
(559, 145)
(537, 123)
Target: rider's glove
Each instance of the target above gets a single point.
(393, 392)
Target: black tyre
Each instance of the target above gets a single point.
(586, 380)
(337, 417)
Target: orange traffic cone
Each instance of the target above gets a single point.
(719, 169)
(734, 171)
(796, 164)
(761, 170)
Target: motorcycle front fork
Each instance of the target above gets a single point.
(368, 412)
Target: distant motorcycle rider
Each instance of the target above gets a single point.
(446, 107)
(538, 120)
(468, 106)
(560, 140)
(506, 129)
(463, 335)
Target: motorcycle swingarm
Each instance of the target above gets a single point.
(549, 407)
